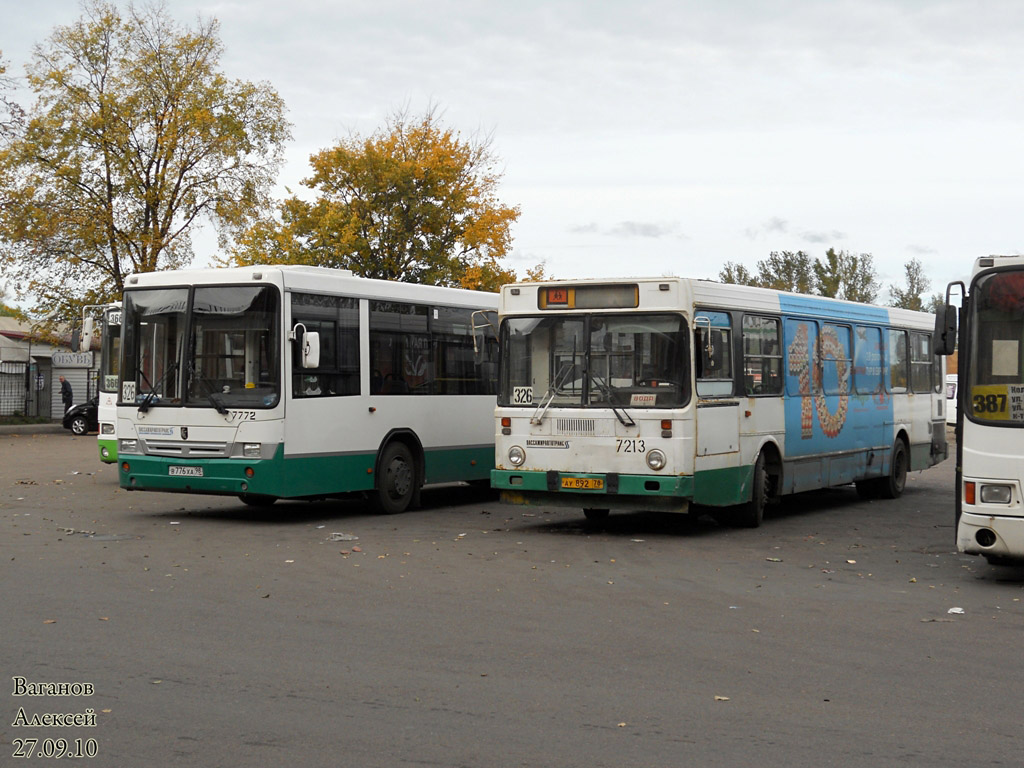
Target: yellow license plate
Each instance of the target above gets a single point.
(583, 483)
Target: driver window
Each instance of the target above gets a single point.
(713, 354)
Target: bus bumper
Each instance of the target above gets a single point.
(621, 492)
(991, 536)
(224, 477)
(108, 451)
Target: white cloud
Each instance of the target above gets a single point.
(876, 123)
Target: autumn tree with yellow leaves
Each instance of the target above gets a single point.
(136, 137)
(414, 202)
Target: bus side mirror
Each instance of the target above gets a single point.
(944, 338)
(87, 326)
(76, 336)
(309, 346)
(311, 349)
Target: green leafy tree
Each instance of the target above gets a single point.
(736, 274)
(787, 271)
(861, 281)
(136, 137)
(845, 275)
(828, 274)
(936, 303)
(917, 283)
(414, 202)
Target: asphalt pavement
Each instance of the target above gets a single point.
(32, 429)
(842, 632)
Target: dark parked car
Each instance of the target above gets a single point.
(82, 418)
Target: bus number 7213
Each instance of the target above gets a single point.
(629, 446)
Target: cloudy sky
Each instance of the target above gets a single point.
(653, 137)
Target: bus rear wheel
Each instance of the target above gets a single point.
(396, 479)
(891, 487)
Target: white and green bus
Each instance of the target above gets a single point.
(648, 394)
(990, 413)
(107, 379)
(291, 382)
(110, 358)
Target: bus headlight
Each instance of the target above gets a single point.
(655, 459)
(996, 494)
(516, 456)
(107, 429)
(128, 446)
(251, 450)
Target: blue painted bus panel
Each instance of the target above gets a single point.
(837, 404)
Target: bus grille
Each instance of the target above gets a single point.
(575, 426)
(195, 450)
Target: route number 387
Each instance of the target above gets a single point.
(989, 403)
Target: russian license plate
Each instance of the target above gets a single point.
(583, 483)
(176, 470)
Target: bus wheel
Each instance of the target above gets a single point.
(892, 486)
(257, 499)
(595, 515)
(396, 481)
(751, 513)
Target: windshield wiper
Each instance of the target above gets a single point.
(148, 399)
(218, 404)
(620, 413)
(213, 395)
(556, 385)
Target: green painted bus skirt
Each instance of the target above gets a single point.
(293, 477)
(723, 487)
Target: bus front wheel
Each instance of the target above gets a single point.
(751, 514)
(396, 481)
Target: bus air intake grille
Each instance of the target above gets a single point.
(197, 450)
(575, 426)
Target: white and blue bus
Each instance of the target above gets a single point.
(291, 382)
(647, 394)
(990, 412)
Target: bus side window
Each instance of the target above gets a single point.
(898, 364)
(713, 356)
(921, 362)
(336, 320)
(867, 362)
(762, 356)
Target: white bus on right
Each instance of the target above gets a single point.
(990, 412)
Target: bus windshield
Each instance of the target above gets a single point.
(595, 360)
(233, 348)
(997, 349)
(214, 347)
